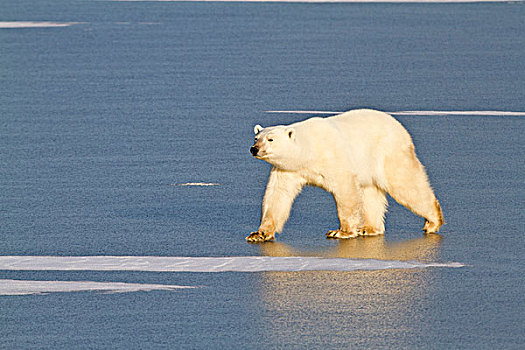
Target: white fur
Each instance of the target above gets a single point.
(358, 156)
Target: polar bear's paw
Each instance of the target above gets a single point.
(342, 234)
(259, 237)
(431, 227)
(370, 231)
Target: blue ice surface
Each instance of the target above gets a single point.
(98, 120)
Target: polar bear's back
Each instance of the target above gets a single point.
(364, 131)
(355, 138)
(369, 120)
(376, 127)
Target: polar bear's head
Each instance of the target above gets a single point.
(275, 144)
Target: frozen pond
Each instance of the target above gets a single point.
(128, 187)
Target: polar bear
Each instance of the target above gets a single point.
(358, 156)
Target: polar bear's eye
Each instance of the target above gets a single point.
(270, 140)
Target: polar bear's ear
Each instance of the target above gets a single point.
(291, 133)
(257, 129)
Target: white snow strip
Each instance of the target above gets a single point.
(423, 113)
(197, 184)
(21, 24)
(19, 287)
(204, 264)
(477, 113)
(305, 112)
(328, 1)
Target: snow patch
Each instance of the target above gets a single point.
(328, 1)
(196, 184)
(19, 287)
(205, 264)
(459, 113)
(305, 112)
(421, 113)
(22, 24)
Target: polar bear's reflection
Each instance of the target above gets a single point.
(382, 303)
(423, 249)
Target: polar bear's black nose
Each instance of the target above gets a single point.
(254, 150)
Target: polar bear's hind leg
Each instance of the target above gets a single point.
(407, 183)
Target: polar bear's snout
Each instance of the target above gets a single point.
(254, 150)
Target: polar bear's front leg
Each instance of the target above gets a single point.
(281, 190)
(348, 199)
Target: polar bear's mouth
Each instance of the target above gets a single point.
(261, 156)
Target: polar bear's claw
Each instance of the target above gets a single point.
(331, 234)
(259, 237)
